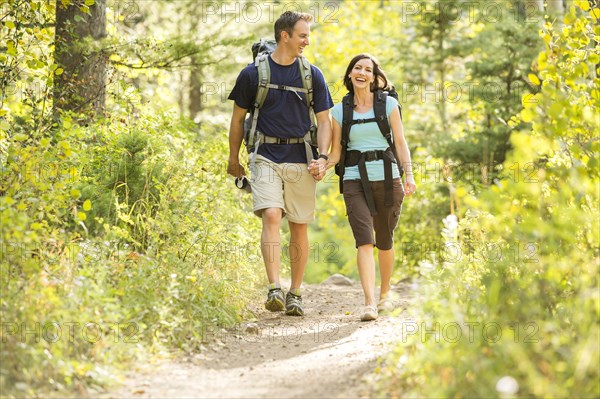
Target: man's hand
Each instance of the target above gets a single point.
(234, 168)
(317, 168)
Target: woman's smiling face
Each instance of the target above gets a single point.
(362, 73)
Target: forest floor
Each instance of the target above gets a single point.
(328, 353)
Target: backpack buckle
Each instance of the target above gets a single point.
(370, 156)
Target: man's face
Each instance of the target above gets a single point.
(299, 38)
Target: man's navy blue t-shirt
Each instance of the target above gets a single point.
(284, 113)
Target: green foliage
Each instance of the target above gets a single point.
(517, 314)
(130, 223)
(27, 70)
(138, 233)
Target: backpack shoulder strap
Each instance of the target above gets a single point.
(307, 84)
(347, 115)
(264, 78)
(306, 76)
(380, 108)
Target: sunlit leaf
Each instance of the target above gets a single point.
(526, 115)
(534, 79)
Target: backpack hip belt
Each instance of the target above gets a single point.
(261, 138)
(359, 158)
(353, 158)
(252, 137)
(281, 140)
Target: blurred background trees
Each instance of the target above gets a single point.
(116, 208)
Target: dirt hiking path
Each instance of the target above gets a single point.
(328, 353)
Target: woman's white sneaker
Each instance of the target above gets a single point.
(369, 313)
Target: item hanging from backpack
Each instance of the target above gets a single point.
(252, 137)
(354, 158)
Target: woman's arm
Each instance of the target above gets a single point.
(336, 144)
(402, 151)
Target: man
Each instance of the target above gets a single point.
(282, 184)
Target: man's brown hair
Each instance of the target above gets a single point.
(287, 21)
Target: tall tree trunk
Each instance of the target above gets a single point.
(531, 10)
(180, 97)
(597, 41)
(195, 84)
(442, 71)
(81, 87)
(195, 93)
(534, 6)
(555, 8)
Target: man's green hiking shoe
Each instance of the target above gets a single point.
(275, 302)
(293, 305)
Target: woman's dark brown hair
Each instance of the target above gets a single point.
(381, 80)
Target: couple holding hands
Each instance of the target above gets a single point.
(284, 180)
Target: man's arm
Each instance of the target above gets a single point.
(318, 167)
(236, 135)
(323, 132)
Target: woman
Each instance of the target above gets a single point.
(366, 204)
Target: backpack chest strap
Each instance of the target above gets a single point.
(283, 87)
(361, 121)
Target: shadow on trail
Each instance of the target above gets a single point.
(324, 354)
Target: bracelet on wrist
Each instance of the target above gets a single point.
(323, 156)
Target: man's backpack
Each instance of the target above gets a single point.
(357, 158)
(260, 52)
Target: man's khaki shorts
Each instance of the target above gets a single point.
(288, 186)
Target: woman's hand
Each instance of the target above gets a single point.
(317, 168)
(409, 185)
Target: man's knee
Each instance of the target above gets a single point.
(271, 216)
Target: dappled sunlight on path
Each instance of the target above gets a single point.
(327, 353)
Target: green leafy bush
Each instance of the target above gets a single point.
(117, 239)
(517, 315)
